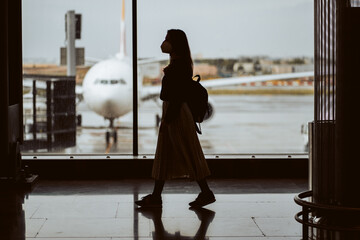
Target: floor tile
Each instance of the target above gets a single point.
(179, 226)
(101, 228)
(47, 198)
(279, 226)
(227, 227)
(140, 238)
(254, 238)
(180, 210)
(124, 198)
(30, 209)
(218, 227)
(254, 209)
(87, 238)
(53, 210)
(33, 226)
(105, 210)
(257, 197)
(125, 210)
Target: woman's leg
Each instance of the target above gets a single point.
(205, 197)
(158, 187)
(203, 185)
(154, 199)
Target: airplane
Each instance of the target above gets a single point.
(107, 86)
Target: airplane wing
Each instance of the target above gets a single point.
(151, 60)
(150, 92)
(92, 60)
(233, 81)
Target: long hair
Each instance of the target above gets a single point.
(180, 46)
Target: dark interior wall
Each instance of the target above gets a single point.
(336, 137)
(348, 127)
(15, 47)
(4, 99)
(10, 88)
(141, 168)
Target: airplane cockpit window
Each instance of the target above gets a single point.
(120, 81)
(112, 81)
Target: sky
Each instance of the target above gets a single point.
(215, 29)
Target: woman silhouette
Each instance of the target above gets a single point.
(178, 151)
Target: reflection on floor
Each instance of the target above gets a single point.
(245, 209)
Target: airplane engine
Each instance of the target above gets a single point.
(211, 112)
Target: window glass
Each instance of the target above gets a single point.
(91, 112)
(355, 3)
(231, 39)
(246, 39)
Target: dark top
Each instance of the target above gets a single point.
(175, 87)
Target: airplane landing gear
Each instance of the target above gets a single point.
(157, 120)
(112, 134)
(107, 137)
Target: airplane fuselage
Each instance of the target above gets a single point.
(107, 88)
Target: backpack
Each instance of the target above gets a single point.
(198, 102)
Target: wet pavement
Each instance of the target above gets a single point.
(241, 124)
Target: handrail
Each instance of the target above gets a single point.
(44, 77)
(327, 211)
(326, 207)
(325, 226)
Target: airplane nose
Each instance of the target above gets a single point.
(109, 107)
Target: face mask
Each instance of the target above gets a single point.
(166, 47)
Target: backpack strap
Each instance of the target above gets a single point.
(198, 77)
(198, 129)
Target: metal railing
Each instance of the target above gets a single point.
(49, 112)
(324, 221)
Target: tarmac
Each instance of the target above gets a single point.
(241, 124)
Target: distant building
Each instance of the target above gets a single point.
(303, 68)
(205, 70)
(248, 67)
(277, 69)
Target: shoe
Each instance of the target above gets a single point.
(203, 199)
(150, 201)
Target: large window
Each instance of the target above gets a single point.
(229, 39)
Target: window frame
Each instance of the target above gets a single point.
(135, 151)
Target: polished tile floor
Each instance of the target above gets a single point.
(245, 209)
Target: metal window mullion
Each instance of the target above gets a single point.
(334, 58)
(316, 58)
(135, 79)
(328, 62)
(318, 78)
(326, 92)
(321, 59)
